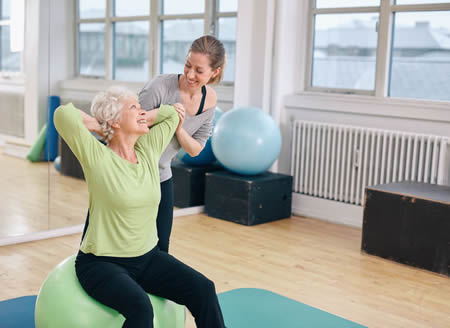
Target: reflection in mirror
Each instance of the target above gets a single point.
(23, 182)
(40, 197)
(69, 198)
(23, 191)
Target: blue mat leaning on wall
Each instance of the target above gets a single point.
(45, 147)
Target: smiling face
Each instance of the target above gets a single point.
(132, 118)
(197, 70)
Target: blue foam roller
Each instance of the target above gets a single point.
(51, 143)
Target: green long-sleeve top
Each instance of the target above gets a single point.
(123, 197)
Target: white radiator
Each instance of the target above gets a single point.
(12, 114)
(337, 162)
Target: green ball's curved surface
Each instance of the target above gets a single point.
(62, 302)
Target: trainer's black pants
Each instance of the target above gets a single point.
(122, 284)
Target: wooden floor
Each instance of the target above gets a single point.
(311, 261)
(35, 197)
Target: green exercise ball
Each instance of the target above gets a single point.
(62, 302)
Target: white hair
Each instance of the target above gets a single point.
(106, 107)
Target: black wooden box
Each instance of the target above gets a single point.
(248, 200)
(189, 183)
(70, 165)
(409, 223)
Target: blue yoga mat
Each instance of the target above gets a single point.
(250, 308)
(242, 308)
(17, 312)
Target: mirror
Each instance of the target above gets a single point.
(35, 197)
(39, 197)
(68, 202)
(23, 182)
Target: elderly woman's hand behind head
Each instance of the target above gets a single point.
(91, 124)
(150, 116)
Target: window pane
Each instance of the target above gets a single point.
(177, 36)
(6, 9)
(176, 7)
(131, 51)
(346, 3)
(91, 49)
(344, 52)
(92, 8)
(131, 7)
(228, 5)
(420, 66)
(227, 34)
(413, 2)
(10, 61)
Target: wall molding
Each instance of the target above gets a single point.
(52, 233)
(41, 235)
(16, 149)
(327, 210)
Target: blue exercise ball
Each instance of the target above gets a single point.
(57, 163)
(206, 156)
(246, 141)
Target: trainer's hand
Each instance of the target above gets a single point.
(181, 113)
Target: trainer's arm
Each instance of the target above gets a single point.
(189, 144)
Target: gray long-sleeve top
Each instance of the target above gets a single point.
(164, 90)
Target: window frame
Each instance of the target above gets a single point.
(210, 17)
(11, 76)
(386, 11)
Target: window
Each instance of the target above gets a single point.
(133, 40)
(10, 58)
(380, 47)
(181, 23)
(226, 32)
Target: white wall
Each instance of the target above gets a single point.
(36, 65)
(288, 100)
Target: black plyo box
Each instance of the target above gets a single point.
(189, 183)
(70, 165)
(409, 223)
(248, 200)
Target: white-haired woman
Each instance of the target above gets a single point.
(119, 260)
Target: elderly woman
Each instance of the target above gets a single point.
(119, 260)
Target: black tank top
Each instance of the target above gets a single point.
(202, 102)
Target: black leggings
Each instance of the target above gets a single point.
(122, 284)
(164, 219)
